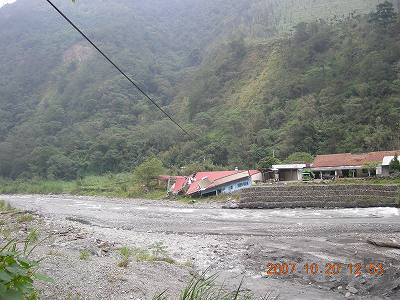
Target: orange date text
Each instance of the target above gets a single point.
(327, 269)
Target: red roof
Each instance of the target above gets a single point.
(206, 180)
(348, 159)
(378, 156)
(179, 184)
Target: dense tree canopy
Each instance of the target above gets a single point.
(300, 157)
(230, 71)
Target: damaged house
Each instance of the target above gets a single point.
(212, 183)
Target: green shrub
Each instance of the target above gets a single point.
(267, 162)
(299, 157)
(17, 271)
(147, 173)
(395, 164)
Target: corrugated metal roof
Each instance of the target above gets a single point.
(179, 184)
(231, 178)
(348, 159)
(202, 181)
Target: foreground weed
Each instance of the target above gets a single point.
(158, 249)
(17, 271)
(141, 254)
(188, 263)
(71, 296)
(26, 218)
(84, 255)
(125, 254)
(5, 206)
(55, 253)
(206, 288)
(398, 198)
(156, 252)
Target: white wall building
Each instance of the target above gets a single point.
(289, 172)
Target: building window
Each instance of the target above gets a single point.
(242, 184)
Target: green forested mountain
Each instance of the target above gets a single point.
(240, 75)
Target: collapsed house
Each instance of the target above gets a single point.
(212, 183)
(328, 166)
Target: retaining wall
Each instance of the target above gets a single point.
(322, 196)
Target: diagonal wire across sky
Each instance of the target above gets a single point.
(118, 68)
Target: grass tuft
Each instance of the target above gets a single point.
(26, 218)
(125, 254)
(155, 253)
(84, 255)
(5, 206)
(206, 288)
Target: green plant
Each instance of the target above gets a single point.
(188, 263)
(125, 254)
(385, 14)
(156, 252)
(299, 157)
(370, 166)
(141, 254)
(84, 255)
(206, 288)
(26, 218)
(267, 162)
(158, 249)
(398, 198)
(146, 173)
(71, 296)
(395, 164)
(55, 253)
(5, 206)
(17, 271)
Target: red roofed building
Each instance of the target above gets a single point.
(213, 182)
(175, 183)
(348, 164)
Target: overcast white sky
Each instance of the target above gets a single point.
(2, 2)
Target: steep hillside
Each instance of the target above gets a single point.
(328, 88)
(64, 111)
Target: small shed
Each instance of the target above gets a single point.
(289, 172)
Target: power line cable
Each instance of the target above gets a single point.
(119, 69)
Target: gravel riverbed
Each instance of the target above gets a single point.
(235, 244)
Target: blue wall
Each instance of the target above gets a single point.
(230, 187)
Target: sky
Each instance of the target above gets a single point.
(2, 2)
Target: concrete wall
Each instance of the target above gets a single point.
(328, 196)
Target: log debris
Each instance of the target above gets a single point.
(384, 244)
